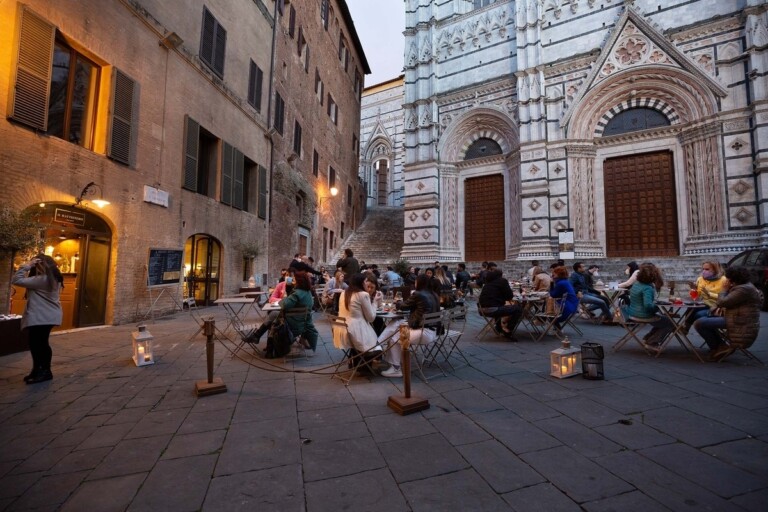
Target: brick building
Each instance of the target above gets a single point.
(319, 72)
(164, 110)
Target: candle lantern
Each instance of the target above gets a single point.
(565, 361)
(592, 361)
(142, 346)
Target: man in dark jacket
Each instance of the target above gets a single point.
(493, 303)
(462, 278)
(348, 264)
(581, 281)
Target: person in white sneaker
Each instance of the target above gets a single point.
(421, 302)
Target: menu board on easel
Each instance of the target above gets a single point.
(164, 267)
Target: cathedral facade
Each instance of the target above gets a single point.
(636, 128)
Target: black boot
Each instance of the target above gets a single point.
(258, 333)
(32, 375)
(42, 375)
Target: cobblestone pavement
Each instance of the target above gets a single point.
(667, 433)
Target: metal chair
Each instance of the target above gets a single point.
(548, 318)
(299, 348)
(490, 322)
(736, 348)
(631, 325)
(454, 323)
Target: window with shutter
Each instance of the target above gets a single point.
(331, 177)
(255, 80)
(191, 142)
(238, 180)
(32, 73)
(297, 138)
(324, 13)
(315, 162)
(279, 113)
(213, 43)
(121, 118)
(227, 172)
(262, 192)
(292, 22)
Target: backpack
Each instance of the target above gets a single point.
(279, 340)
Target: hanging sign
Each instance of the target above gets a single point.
(565, 244)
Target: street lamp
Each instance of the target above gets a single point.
(91, 189)
(334, 192)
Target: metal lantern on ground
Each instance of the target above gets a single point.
(565, 361)
(142, 346)
(592, 356)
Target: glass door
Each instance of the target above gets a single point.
(202, 256)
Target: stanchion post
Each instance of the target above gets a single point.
(212, 386)
(407, 404)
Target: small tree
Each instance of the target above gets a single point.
(18, 233)
(401, 266)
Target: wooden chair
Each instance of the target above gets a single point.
(632, 326)
(490, 322)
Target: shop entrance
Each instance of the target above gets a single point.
(202, 258)
(79, 241)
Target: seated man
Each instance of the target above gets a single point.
(493, 303)
(741, 302)
(421, 302)
(581, 281)
(462, 278)
(390, 279)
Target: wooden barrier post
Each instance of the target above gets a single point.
(212, 386)
(407, 404)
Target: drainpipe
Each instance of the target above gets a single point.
(270, 131)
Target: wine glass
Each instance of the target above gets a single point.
(694, 294)
(399, 297)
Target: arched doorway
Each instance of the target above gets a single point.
(80, 241)
(202, 260)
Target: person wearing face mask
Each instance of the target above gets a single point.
(708, 287)
(631, 272)
(283, 289)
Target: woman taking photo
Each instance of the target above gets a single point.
(43, 281)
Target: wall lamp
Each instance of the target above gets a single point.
(171, 41)
(334, 192)
(94, 190)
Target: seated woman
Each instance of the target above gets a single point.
(330, 297)
(377, 301)
(301, 296)
(356, 307)
(421, 302)
(642, 305)
(542, 282)
(741, 302)
(283, 288)
(563, 290)
(632, 270)
(708, 287)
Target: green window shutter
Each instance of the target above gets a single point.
(262, 192)
(191, 143)
(31, 80)
(238, 179)
(121, 117)
(226, 173)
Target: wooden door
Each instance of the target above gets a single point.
(640, 206)
(383, 179)
(484, 222)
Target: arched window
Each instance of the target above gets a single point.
(635, 119)
(481, 148)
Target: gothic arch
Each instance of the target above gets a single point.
(481, 122)
(652, 103)
(683, 96)
(377, 147)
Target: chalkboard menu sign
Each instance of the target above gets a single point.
(164, 266)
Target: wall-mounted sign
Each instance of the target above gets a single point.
(155, 196)
(565, 244)
(69, 217)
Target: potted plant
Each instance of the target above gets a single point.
(18, 233)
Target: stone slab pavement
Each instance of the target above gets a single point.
(666, 433)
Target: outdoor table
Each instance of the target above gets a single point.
(236, 309)
(612, 294)
(678, 313)
(531, 305)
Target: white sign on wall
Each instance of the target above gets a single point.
(155, 196)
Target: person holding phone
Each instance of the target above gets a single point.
(43, 282)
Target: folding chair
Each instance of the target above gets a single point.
(586, 313)
(736, 347)
(548, 319)
(454, 322)
(320, 290)
(632, 326)
(354, 360)
(490, 322)
(433, 322)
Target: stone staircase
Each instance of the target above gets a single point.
(379, 239)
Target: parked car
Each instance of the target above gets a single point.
(756, 261)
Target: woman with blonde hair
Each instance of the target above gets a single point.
(43, 281)
(707, 288)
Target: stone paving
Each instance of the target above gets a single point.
(665, 433)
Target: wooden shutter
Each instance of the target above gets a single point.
(262, 192)
(221, 46)
(238, 170)
(291, 21)
(121, 117)
(306, 59)
(31, 80)
(191, 143)
(213, 43)
(227, 160)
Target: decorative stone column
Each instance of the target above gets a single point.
(449, 213)
(581, 188)
(703, 180)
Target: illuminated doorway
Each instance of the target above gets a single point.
(202, 259)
